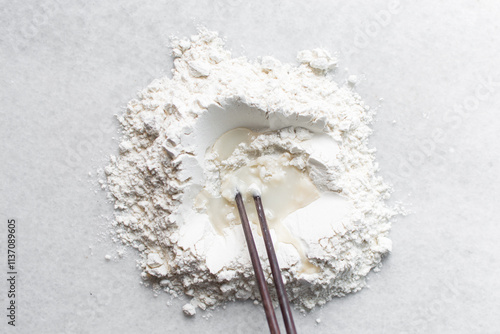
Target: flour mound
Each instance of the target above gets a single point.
(298, 112)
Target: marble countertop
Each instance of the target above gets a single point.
(431, 69)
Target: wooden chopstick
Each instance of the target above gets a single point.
(286, 312)
(259, 274)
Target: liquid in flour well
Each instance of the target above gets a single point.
(283, 188)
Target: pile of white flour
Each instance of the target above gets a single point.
(299, 119)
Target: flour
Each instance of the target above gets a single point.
(297, 128)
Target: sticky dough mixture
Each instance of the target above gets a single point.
(286, 131)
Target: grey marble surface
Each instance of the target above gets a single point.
(67, 69)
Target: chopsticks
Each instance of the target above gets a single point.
(259, 274)
(275, 269)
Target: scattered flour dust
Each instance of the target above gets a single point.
(296, 129)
